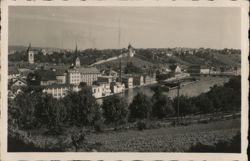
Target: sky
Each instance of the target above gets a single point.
(116, 27)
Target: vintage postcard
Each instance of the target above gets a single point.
(124, 80)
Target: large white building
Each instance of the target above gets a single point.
(78, 75)
(59, 90)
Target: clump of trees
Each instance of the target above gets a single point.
(32, 109)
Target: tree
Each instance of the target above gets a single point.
(82, 84)
(141, 107)
(235, 84)
(131, 69)
(51, 112)
(21, 110)
(162, 106)
(185, 105)
(204, 104)
(223, 98)
(82, 106)
(115, 109)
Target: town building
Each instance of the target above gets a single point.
(18, 82)
(97, 91)
(59, 90)
(31, 57)
(106, 79)
(130, 54)
(174, 69)
(77, 74)
(109, 72)
(24, 72)
(205, 70)
(149, 78)
(128, 81)
(61, 76)
(13, 72)
(87, 75)
(106, 91)
(138, 80)
(194, 70)
(45, 77)
(117, 87)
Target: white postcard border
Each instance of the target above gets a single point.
(5, 156)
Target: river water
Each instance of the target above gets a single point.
(193, 89)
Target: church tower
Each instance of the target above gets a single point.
(31, 57)
(77, 62)
(131, 53)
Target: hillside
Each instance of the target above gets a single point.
(215, 59)
(115, 63)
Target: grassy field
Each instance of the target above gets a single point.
(164, 139)
(169, 139)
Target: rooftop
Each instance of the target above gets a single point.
(46, 75)
(13, 70)
(90, 70)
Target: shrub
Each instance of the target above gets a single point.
(231, 146)
(141, 107)
(162, 106)
(115, 110)
(98, 125)
(141, 125)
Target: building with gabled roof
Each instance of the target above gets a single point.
(13, 72)
(42, 77)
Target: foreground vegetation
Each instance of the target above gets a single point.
(164, 139)
(48, 122)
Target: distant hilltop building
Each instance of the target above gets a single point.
(131, 53)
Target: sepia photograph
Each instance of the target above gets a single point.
(124, 79)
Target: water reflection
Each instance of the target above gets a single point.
(129, 94)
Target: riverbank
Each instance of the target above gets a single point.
(192, 89)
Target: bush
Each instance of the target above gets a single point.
(185, 105)
(98, 125)
(162, 106)
(231, 146)
(141, 107)
(115, 110)
(141, 125)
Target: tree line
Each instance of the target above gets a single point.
(32, 109)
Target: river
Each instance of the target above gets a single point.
(193, 89)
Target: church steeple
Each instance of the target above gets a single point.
(131, 54)
(76, 49)
(30, 54)
(77, 61)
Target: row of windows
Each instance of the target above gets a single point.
(94, 90)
